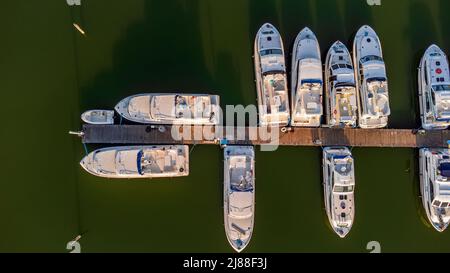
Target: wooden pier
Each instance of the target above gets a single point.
(155, 134)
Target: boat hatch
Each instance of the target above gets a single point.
(444, 169)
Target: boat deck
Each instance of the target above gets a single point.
(145, 134)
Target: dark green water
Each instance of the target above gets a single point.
(49, 74)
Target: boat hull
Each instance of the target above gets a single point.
(168, 160)
(428, 120)
(367, 120)
(332, 100)
(306, 50)
(98, 117)
(141, 113)
(270, 114)
(426, 192)
(238, 226)
(336, 204)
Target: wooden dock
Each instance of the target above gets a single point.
(155, 134)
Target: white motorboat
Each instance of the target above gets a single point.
(434, 89)
(138, 161)
(306, 81)
(239, 195)
(339, 187)
(340, 93)
(157, 108)
(100, 117)
(271, 81)
(371, 80)
(435, 186)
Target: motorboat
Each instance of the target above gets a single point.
(138, 161)
(99, 117)
(160, 108)
(339, 187)
(434, 89)
(341, 101)
(271, 80)
(239, 195)
(371, 80)
(434, 167)
(306, 81)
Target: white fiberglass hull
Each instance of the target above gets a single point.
(99, 117)
(273, 102)
(160, 108)
(429, 121)
(341, 109)
(340, 207)
(306, 105)
(439, 222)
(239, 195)
(367, 43)
(138, 161)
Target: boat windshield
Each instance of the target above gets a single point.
(441, 87)
(265, 52)
(343, 189)
(438, 204)
(313, 84)
(371, 58)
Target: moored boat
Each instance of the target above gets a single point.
(339, 187)
(271, 80)
(434, 89)
(371, 80)
(239, 195)
(340, 92)
(138, 161)
(159, 108)
(306, 81)
(100, 117)
(434, 167)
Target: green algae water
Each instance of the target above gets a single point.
(50, 73)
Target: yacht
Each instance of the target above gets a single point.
(434, 89)
(99, 117)
(339, 187)
(271, 81)
(435, 186)
(157, 108)
(306, 81)
(372, 85)
(340, 92)
(239, 195)
(138, 161)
